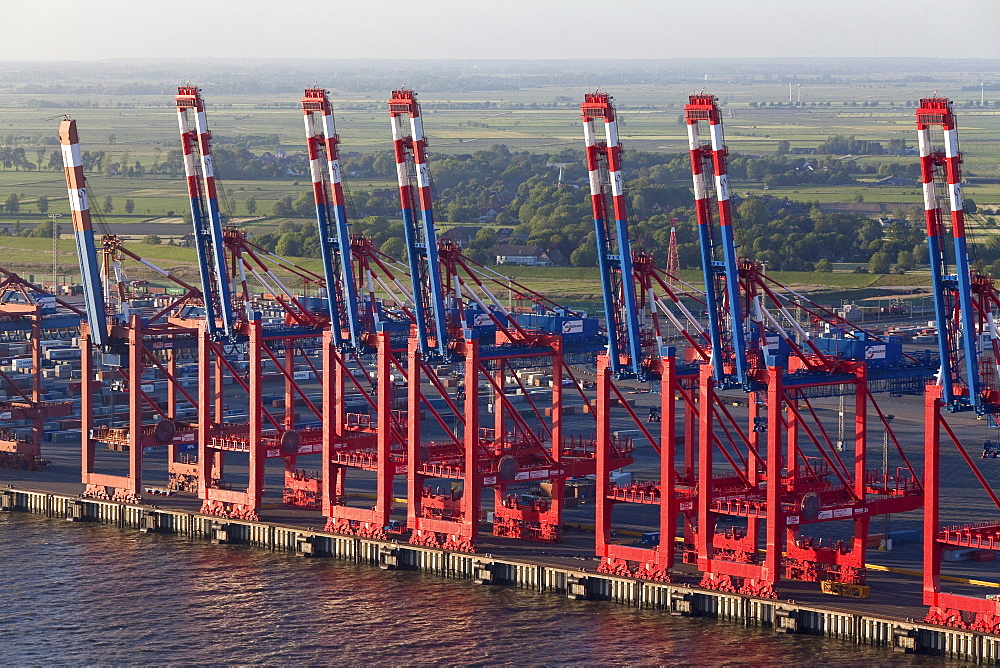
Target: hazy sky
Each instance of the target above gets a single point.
(492, 29)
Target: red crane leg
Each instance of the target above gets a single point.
(668, 474)
(706, 519)
(775, 527)
(932, 487)
(552, 520)
(383, 441)
(332, 389)
(87, 394)
(414, 478)
(256, 484)
(602, 505)
(130, 491)
(472, 482)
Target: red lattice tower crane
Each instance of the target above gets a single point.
(673, 257)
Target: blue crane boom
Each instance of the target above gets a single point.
(953, 307)
(722, 283)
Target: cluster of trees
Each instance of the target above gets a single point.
(43, 230)
(544, 200)
(17, 158)
(302, 239)
(795, 236)
(106, 206)
(841, 145)
(236, 161)
(779, 103)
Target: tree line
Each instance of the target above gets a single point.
(516, 197)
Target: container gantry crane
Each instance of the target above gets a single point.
(784, 471)
(634, 352)
(352, 441)
(128, 341)
(965, 305)
(236, 421)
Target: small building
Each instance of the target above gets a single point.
(529, 256)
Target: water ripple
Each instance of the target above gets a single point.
(91, 594)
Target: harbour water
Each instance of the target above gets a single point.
(90, 593)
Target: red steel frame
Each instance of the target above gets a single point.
(947, 608)
(265, 435)
(651, 563)
(26, 314)
(356, 441)
(508, 453)
(149, 424)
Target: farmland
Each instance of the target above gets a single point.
(130, 129)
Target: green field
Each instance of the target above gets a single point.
(143, 127)
(649, 121)
(32, 257)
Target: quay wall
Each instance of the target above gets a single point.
(897, 635)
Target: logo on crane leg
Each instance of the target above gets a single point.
(722, 186)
